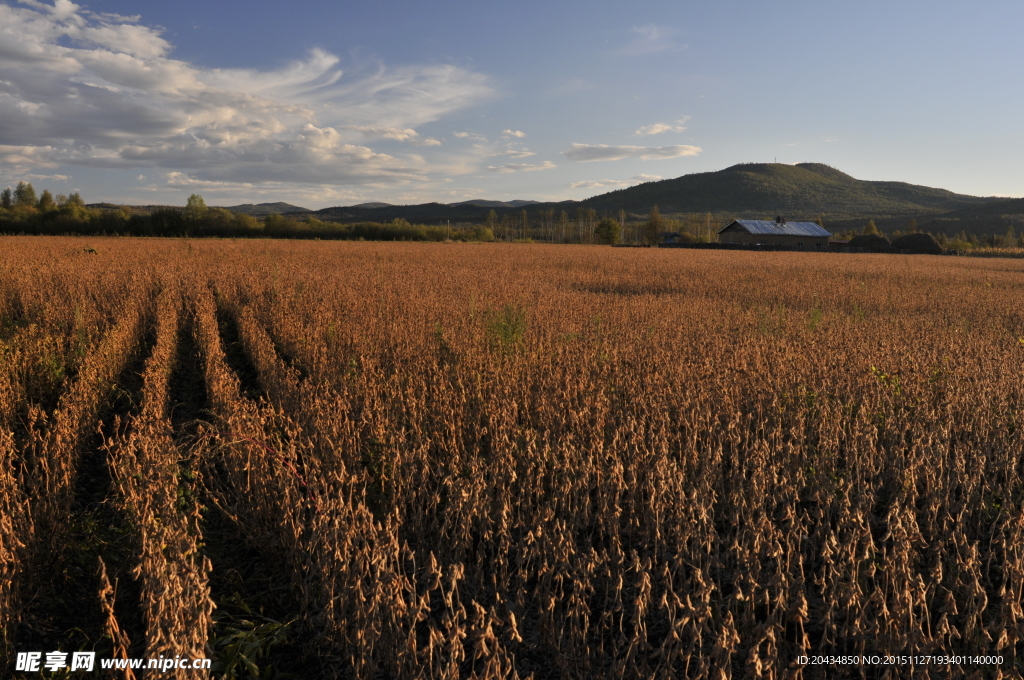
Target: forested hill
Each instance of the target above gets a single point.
(805, 189)
(266, 208)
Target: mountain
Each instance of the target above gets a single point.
(802, 190)
(266, 208)
(998, 208)
(376, 204)
(759, 190)
(424, 213)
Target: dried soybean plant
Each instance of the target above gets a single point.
(500, 461)
(158, 493)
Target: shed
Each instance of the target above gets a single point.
(673, 237)
(870, 243)
(780, 233)
(917, 243)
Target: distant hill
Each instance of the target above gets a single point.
(371, 205)
(998, 208)
(802, 190)
(424, 213)
(266, 208)
(132, 209)
(805, 190)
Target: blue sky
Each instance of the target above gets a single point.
(326, 103)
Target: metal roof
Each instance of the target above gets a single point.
(772, 228)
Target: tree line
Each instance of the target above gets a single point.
(586, 226)
(960, 241)
(23, 211)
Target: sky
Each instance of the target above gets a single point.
(337, 103)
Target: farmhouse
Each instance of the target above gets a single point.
(780, 233)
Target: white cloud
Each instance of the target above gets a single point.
(650, 39)
(376, 132)
(603, 152)
(511, 151)
(398, 134)
(602, 183)
(177, 179)
(101, 90)
(21, 158)
(658, 128)
(599, 183)
(513, 133)
(521, 167)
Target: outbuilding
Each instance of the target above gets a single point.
(780, 234)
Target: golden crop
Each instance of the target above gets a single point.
(497, 461)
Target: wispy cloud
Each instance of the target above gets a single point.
(101, 90)
(521, 167)
(650, 39)
(377, 132)
(658, 128)
(513, 133)
(604, 152)
(514, 152)
(246, 192)
(398, 134)
(604, 183)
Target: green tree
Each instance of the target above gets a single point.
(654, 225)
(492, 220)
(25, 195)
(46, 200)
(563, 226)
(656, 221)
(277, 221)
(75, 200)
(870, 228)
(608, 231)
(1010, 240)
(195, 209)
(7, 198)
(912, 226)
(482, 234)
